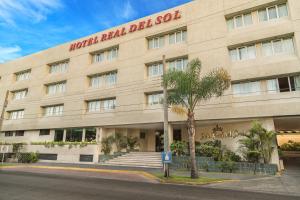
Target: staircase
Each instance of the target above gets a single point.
(137, 159)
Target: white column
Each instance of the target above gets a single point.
(83, 135)
(97, 152)
(270, 126)
(65, 135)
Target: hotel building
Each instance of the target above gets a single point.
(110, 82)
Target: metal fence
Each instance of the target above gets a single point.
(208, 164)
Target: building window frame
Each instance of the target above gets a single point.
(8, 133)
(56, 88)
(154, 70)
(44, 132)
(232, 23)
(20, 94)
(178, 64)
(23, 75)
(266, 12)
(154, 98)
(106, 79)
(285, 49)
(19, 133)
(53, 110)
(58, 67)
(16, 114)
(175, 39)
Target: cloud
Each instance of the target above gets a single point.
(33, 10)
(9, 53)
(127, 11)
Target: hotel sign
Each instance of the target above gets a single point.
(138, 26)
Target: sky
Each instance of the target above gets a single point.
(29, 26)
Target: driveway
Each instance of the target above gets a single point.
(288, 183)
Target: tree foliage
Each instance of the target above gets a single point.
(258, 144)
(187, 88)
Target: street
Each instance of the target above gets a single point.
(32, 186)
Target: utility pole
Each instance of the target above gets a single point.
(166, 124)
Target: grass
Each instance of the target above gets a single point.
(187, 180)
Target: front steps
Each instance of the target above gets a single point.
(137, 159)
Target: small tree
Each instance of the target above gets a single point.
(106, 145)
(132, 142)
(258, 144)
(120, 141)
(187, 89)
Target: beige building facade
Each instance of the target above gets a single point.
(110, 82)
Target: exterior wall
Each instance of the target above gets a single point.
(208, 39)
(282, 139)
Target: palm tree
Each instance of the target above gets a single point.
(186, 89)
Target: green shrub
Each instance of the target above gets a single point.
(28, 157)
(227, 166)
(132, 142)
(179, 148)
(231, 156)
(106, 145)
(290, 146)
(204, 150)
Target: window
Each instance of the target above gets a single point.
(240, 21)
(9, 134)
(273, 12)
(279, 46)
(21, 94)
(178, 64)
(94, 106)
(284, 84)
(58, 135)
(112, 54)
(58, 67)
(86, 158)
(156, 42)
(155, 70)
(243, 53)
(24, 75)
(177, 37)
(109, 54)
(47, 156)
(18, 114)
(19, 133)
(109, 104)
(90, 134)
(272, 86)
(98, 57)
(56, 110)
(154, 99)
(107, 79)
(74, 135)
(250, 88)
(56, 88)
(44, 132)
(111, 78)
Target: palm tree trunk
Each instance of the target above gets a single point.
(191, 132)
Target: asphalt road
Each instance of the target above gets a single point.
(23, 186)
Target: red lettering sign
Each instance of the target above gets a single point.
(141, 25)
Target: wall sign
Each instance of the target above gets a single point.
(138, 26)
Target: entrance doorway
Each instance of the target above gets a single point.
(177, 135)
(159, 141)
